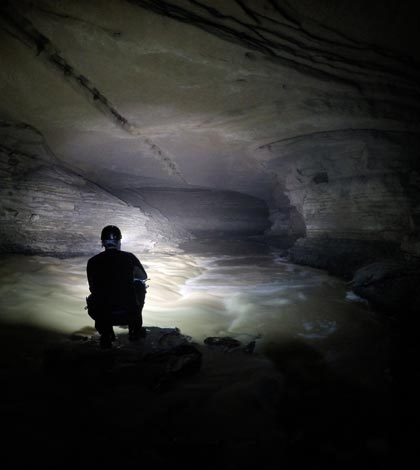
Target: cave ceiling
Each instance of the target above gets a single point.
(186, 93)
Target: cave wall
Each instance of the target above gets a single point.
(286, 102)
(355, 196)
(51, 210)
(352, 183)
(209, 212)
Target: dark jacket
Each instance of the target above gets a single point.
(110, 276)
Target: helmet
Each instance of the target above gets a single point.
(111, 233)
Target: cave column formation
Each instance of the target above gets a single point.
(189, 117)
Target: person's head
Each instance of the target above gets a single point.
(111, 237)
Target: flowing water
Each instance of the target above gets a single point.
(245, 291)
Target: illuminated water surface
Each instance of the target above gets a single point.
(250, 296)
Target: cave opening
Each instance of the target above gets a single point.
(262, 160)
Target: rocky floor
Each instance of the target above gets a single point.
(166, 401)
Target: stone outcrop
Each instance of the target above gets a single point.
(392, 286)
(153, 362)
(340, 256)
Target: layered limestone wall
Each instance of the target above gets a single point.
(48, 209)
(357, 194)
(347, 186)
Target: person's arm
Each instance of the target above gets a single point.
(139, 281)
(139, 273)
(89, 276)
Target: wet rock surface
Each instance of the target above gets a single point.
(392, 286)
(153, 361)
(225, 342)
(340, 257)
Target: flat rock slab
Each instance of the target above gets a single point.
(154, 361)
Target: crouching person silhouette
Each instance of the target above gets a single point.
(117, 282)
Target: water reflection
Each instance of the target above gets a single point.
(245, 295)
